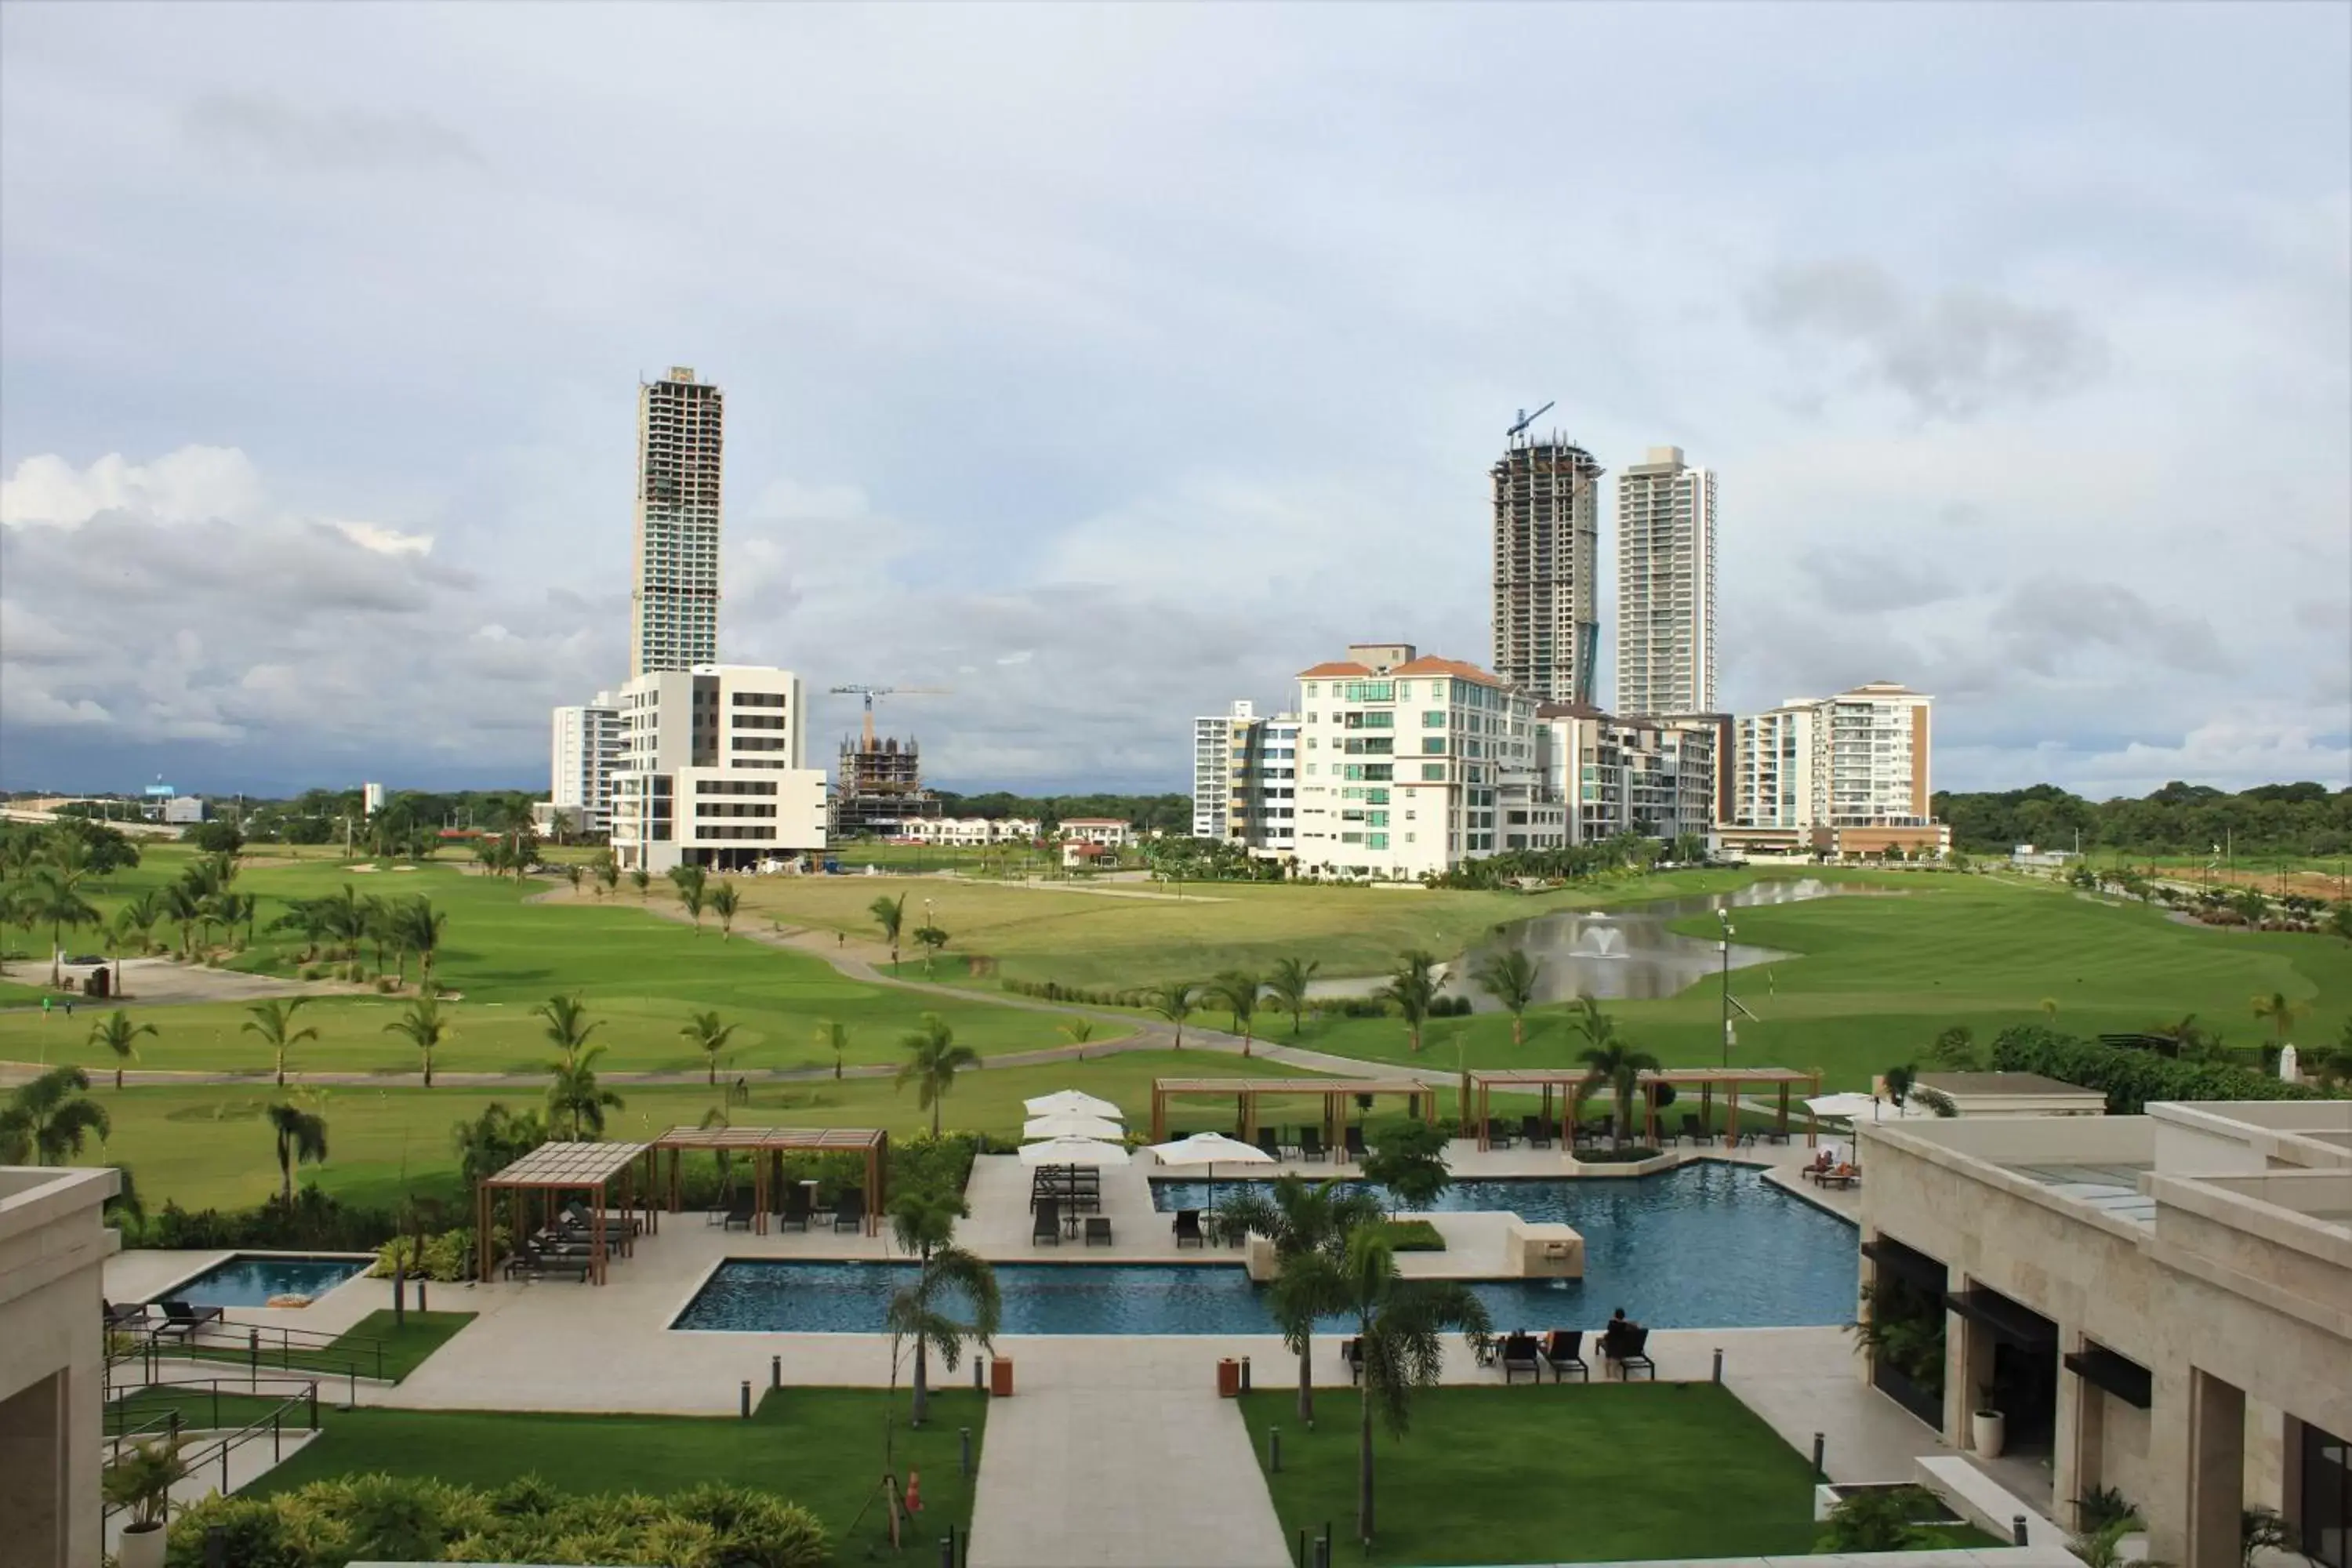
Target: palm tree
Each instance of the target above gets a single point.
(710, 1037)
(2281, 1013)
(573, 873)
(301, 1140)
(931, 938)
(47, 1120)
(936, 1061)
(567, 1024)
(420, 927)
(274, 1021)
(1286, 986)
(54, 895)
(889, 914)
(724, 901)
(833, 1035)
(1236, 990)
(118, 1034)
(1510, 978)
(574, 1091)
(1079, 1031)
(923, 1222)
(1308, 1223)
(1611, 1063)
(608, 875)
(137, 917)
(1401, 1326)
(181, 907)
(1413, 989)
(422, 1026)
(1175, 999)
(693, 884)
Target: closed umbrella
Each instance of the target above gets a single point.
(1073, 1152)
(1064, 1125)
(1210, 1149)
(1070, 1103)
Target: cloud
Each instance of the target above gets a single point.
(2041, 625)
(1952, 356)
(385, 540)
(343, 140)
(185, 486)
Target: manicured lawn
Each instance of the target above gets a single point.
(1545, 1474)
(373, 1347)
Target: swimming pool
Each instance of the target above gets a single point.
(249, 1280)
(1707, 1246)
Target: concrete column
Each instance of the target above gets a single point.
(33, 1477)
(1960, 1392)
(2215, 1484)
(2078, 1444)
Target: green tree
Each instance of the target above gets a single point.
(931, 938)
(1307, 1222)
(573, 1092)
(1510, 977)
(1611, 1063)
(422, 1024)
(302, 1138)
(118, 1034)
(140, 1479)
(1409, 1160)
(137, 917)
(710, 1037)
(934, 1059)
(1286, 986)
(833, 1035)
(181, 907)
(491, 1141)
(1401, 1326)
(274, 1021)
(419, 928)
(54, 897)
(890, 914)
(724, 901)
(1236, 990)
(573, 873)
(1176, 1000)
(2281, 1013)
(1954, 1050)
(641, 879)
(923, 1222)
(692, 884)
(1414, 988)
(48, 1121)
(567, 1023)
(607, 872)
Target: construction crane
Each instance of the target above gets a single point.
(1526, 419)
(871, 692)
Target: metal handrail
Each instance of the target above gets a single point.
(273, 1422)
(219, 1335)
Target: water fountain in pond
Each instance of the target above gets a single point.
(1601, 943)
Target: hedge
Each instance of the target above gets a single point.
(2131, 1078)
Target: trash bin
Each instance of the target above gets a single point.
(1229, 1378)
(1000, 1377)
(100, 984)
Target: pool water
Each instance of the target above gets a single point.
(1707, 1246)
(249, 1280)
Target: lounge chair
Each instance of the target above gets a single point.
(1356, 1150)
(1046, 1228)
(1269, 1141)
(180, 1319)
(131, 1316)
(538, 1260)
(1097, 1230)
(797, 1211)
(1535, 1133)
(1564, 1351)
(1520, 1354)
(1498, 1132)
(849, 1213)
(1628, 1348)
(1351, 1350)
(1188, 1229)
(739, 1212)
(1694, 1128)
(1310, 1143)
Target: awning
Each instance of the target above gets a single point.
(2119, 1375)
(1991, 1310)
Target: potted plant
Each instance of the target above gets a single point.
(142, 1482)
(1986, 1428)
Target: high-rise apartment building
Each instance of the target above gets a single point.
(1614, 775)
(712, 771)
(1666, 586)
(1547, 566)
(1845, 775)
(674, 600)
(587, 755)
(1244, 778)
(1214, 781)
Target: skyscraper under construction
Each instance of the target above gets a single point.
(673, 594)
(1546, 567)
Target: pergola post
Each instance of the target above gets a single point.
(1731, 1117)
(1158, 1115)
(1782, 1128)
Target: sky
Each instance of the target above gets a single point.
(1106, 364)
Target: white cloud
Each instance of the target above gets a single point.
(190, 485)
(385, 540)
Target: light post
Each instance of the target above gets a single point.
(1726, 917)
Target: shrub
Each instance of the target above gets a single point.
(2131, 1079)
(1414, 1236)
(314, 1221)
(449, 1256)
(1881, 1519)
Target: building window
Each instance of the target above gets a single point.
(1433, 772)
(1432, 745)
(1432, 718)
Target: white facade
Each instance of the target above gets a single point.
(1666, 586)
(674, 597)
(181, 810)
(54, 1243)
(1107, 831)
(1613, 775)
(370, 799)
(1859, 759)
(1405, 764)
(968, 831)
(586, 759)
(712, 770)
(1270, 788)
(1547, 544)
(1216, 737)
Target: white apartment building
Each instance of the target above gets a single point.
(1859, 759)
(1110, 832)
(967, 832)
(1405, 762)
(1217, 739)
(1666, 586)
(674, 598)
(1610, 775)
(1546, 523)
(712, 770)
(587, 757)
(1270, 788)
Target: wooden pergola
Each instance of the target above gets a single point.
(1335, 1093)
(767, 1146)
(550, 1171)
(1572, 1083)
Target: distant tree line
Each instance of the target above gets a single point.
(2179, 819)
(1168, 813)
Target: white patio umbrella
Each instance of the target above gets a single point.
(1854, 1107)
(1073, 1152)
(1210, 1149)
(1070, 1103)
(1062, 1124)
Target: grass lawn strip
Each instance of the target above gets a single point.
(356, 1350)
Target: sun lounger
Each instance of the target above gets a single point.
(180, 1319)
(1270, 1143)
(1351, 1350)
(130, 1316)
(1046, 1228)
(739, 1212)
(1534, 1131)
(1627, 1348)
(1188, 1229)
(1310, 1143)
(1520, 1354)
(1564, 1351)
(798, 1210)
(1694, 1128)
(1356, 1150)
(849, 1213)
(1097, 1230)
(1498, 1132)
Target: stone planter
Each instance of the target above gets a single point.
(142, 1546)
(1987, 1432)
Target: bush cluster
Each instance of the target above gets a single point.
(314, 1221)
(2132, 1077)
(1348, 1008)
(1091, 996)
(419, 1520)
(449, 1256)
